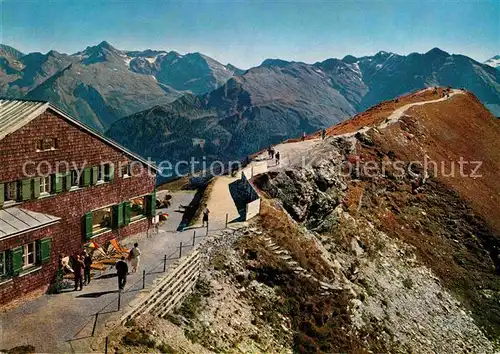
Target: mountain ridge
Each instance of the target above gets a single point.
(122, 82)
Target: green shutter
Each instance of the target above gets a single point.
(95, 174)
(36, 187)
(151, 204)
(2, 193)
(117, 216)
(17, 260)
(86, 176)
(126, 212)
(45, 246)
(57, 186)
(26, 189)
(109, 171)
(67, 180)
(88, 225)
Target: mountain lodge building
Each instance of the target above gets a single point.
(61, 185)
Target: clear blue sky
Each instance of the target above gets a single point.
(246, 32)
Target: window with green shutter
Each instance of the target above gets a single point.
(126, 212)
(151, 204)
(95, 174)
(2, 194)
(87, 225)
(86, 176)
(45, 247)
(26, 189)
(117, 216)
(36, 187)
(57, 183)
(17, 260)
(109, 172)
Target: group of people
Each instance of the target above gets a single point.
(134, 257)
(82, 262)
(273, 154)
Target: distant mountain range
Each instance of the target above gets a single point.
(178, 106)
(101, 83)
(281, 99)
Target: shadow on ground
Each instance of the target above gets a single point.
(98, 293)
(238, 194)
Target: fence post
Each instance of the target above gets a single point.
(95, 323)
(143, 278)
(164, 263)
(227, 216)
(119, 298)
(106, 345)
(194, 237)
(180, 250)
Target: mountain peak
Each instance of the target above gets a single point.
(383, 53)
(349, 59)
(437, 52)
(274, 62)
(105, 44)
(494, 62)
(10, 51)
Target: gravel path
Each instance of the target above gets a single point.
(60, 323)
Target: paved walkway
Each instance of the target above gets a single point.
(62, 322)
(220, 202)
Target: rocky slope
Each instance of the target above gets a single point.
(281, 99)
(265, 105)
(359, 247)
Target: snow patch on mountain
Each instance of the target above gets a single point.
(493, 62)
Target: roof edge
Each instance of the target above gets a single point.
(98, 135)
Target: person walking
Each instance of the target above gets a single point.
(206, 212)
(87, 263)
(303, 136)
(323, 134)
(78, 266)
(122, 271)
(135, 257)
(277, 158)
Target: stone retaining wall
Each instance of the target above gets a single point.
(181, 277)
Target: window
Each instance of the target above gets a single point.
(101, 173)
(3, 264)
(47, 144)
(101, 220)
(137, 208)
(29, 255)
(125, 171)
(45, 185)
(75, 179)
(11, 191)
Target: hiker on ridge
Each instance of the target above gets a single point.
(277, 158)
